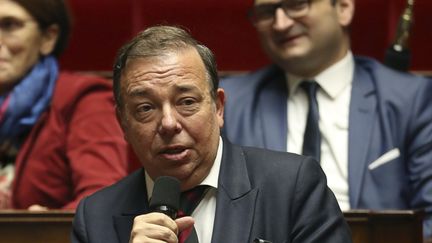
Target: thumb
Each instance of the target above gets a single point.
(184, 223)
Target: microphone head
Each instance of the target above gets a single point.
(166, 196)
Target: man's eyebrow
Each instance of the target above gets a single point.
(186, 88)
(143, 92)
(138, 92)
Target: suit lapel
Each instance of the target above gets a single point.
(136, 205)
(123, 226)
(272, 110)
(362, 113)
(235, 199)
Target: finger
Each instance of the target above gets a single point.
(184, 223)
(153, 227)
(158, 219)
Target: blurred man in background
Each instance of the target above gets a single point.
(370, 127)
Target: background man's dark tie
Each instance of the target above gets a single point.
(189, 200)
(312, 135)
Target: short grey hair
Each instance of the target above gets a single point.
(157, 41)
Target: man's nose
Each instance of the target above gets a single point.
(281, 20)
(169, 124)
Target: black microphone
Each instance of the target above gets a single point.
(166, 196)
(398, 55)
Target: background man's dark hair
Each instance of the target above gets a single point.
(157, 41)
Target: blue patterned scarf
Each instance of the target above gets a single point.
(23, 105)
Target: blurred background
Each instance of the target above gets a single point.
(100, 28)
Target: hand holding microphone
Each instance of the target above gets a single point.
(161, 224)
(166, 196)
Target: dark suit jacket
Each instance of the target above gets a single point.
(389, 111)
(276, 196)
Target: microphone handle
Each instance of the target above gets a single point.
(172, 213)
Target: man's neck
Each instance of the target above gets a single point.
(311, 74)
(310, 66)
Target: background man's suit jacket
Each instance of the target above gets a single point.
(276, 196)
(390, 131)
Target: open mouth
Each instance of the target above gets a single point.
(174, 153)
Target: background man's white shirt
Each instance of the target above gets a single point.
(333, 98)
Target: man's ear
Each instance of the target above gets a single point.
(220, 106)
(345, 11)
(49, 39)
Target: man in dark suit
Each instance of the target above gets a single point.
(171, 110)
(374, 125)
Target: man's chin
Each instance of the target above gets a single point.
(181, 172)
(289, 52)
(291, 57)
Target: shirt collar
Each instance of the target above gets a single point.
(333, 80)
(211, 179)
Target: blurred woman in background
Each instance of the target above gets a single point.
(59, 138)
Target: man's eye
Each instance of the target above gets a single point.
(298, 5)
(188, 106)
(265, 11)
(188, 102)
(144, 108)
(9, 25)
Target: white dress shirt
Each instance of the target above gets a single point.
(204, 213)
(333, 99)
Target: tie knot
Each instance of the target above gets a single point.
(310, 87)
(190, 199)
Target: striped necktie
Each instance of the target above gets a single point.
(189, 200)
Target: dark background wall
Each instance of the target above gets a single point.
(101, 27)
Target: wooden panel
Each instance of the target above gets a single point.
(19, 226)
(386, 226)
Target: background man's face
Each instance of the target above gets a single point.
(316, 36)
(169, 116)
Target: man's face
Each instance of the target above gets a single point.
(311, 41)
(169, 116)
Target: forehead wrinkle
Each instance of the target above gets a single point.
(160, 71)
(155, 72)
(164, 75)
(164, 72)
(140, 91)
(143, 91)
